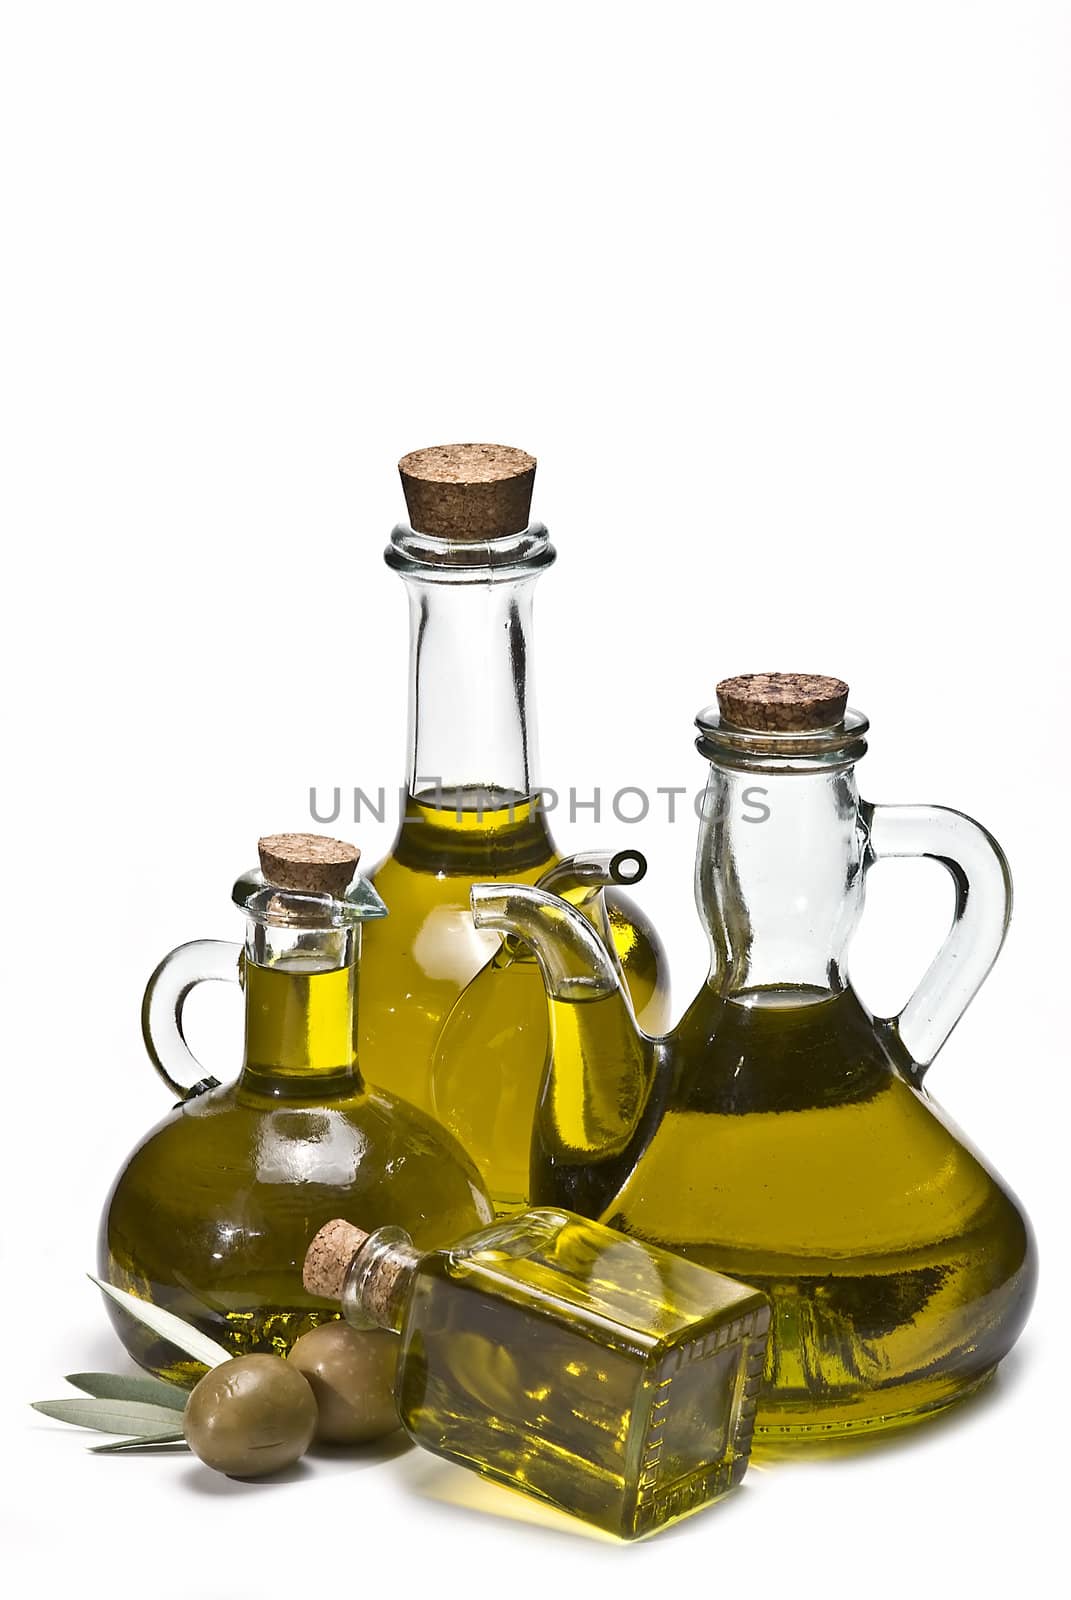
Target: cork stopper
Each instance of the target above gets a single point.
(308, 863)
(327, 1260)
(385, 1263)
(470, 492)
(782, 702)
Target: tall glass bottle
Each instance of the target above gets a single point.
(469, 561)
(210, 1215)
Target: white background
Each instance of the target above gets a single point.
(778, 294)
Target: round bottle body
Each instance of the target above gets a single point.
(211, 1215)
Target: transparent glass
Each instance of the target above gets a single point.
(491, 1050)
(473, 812)
(211, 1214)
(781, 1133)
(597, 1373)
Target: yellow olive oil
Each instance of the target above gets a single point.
(781, 1142)
(595, 1372)
(298, 1022)
(211, 1215)
(482, 1078)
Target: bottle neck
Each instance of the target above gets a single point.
(472, 728)
(379, 1282)
(779, 877)
(300, 1010)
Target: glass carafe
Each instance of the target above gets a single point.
(210, 1215)
(781, 1133)
(473, 809)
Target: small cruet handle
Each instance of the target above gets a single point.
(980, 872)
(201, 961)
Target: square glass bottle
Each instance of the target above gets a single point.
(605, 1376)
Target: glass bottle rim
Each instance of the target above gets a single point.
(382, 1242)
(829, 749)
(265, 903)
(423, 555)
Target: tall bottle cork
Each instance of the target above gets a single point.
(308, 863)
(468, 491)
(782, 702)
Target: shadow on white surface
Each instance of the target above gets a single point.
(101, 1350)
(429, 1478)
(202, 1480)
(363, 1455)
(321, 1461)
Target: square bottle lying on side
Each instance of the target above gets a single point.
(605, 1376)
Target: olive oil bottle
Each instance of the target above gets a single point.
(469, 562)
(781, 1133)
(552, 1355)
(210, 1215)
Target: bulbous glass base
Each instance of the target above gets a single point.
(795, 1156)
(211, 1215)
(785, 1432)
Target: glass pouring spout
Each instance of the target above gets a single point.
(489, 1064)
(580, 879)
(596, 1108)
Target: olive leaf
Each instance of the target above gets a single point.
(116, 1386)
(144, 1443)
(167, 1325)
(110, 1416)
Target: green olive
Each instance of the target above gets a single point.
(250, 1416)
(351, 1373)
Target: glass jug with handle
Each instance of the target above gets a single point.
(781, 1133)
(210, 1214)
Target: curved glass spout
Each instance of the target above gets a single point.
(580, 879)
(575, 963)
(592, 1116)
(489, 1064)
(581, 876)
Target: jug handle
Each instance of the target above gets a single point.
(980, 872)
(201, 961)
